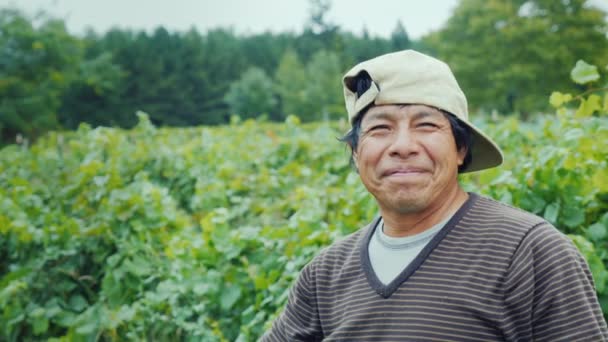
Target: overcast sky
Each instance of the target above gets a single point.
(245, 16)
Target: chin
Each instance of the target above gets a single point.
(406, 204)
(409, 207)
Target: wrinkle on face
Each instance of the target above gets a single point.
(407, 158)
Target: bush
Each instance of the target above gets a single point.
(197, 233)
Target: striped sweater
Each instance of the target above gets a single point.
(493, 273)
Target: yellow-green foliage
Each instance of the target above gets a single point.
(196, 234)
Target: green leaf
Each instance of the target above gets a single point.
(573, 216)
(573, 134)
(87, 329)
(600, 276)
(52, 308)
(66, 318)
(583, 245)
(599, 180)
(38, 319)
(137, 266)
(551, 212)
(597, 231)
(40, 325)
(604, 220)
(78, 303)
(126, 313)
(589, 106)
(229, 296)
(532, 202)
(584, 72)
(200, 289)
(603, 298)
(111, 289)
(11, 290)
(17, 274)
(557, 99)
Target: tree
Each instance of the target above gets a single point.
(265, 50)
(178, 78)
(224, 62)
(291, 83)
(319, 33)
(94, 94)
(36, 65)
(324, 97)
(360, 48)
(399, 38)
(52, 80)
(252, 95)
(508, 54)
(317, 20)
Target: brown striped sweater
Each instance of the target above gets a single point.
(493, 273)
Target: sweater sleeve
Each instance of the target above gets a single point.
(299, 320)
(549, 291)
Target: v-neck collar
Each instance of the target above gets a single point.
(387, 290)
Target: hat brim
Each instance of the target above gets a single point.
(485, 153)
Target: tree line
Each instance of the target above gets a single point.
(507, 54)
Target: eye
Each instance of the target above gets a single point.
(378, 127)
(427, 124)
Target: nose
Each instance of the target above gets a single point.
(404, 144)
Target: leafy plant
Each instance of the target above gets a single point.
(197, 233)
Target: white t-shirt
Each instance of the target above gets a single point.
(391, 255)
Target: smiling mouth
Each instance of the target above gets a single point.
(404, 172)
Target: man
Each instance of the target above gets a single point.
(439, 264)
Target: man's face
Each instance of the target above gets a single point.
(407, 157)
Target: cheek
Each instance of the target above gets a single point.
(443, 152)
(367, 153)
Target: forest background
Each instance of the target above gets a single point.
(170, 185)
(507, 55)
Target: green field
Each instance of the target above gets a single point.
(197, 233)
(113, 228)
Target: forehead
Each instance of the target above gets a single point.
(395, 111)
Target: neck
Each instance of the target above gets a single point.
(405, 224)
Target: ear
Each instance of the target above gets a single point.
(462, 153)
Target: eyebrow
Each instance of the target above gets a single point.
(416, 116)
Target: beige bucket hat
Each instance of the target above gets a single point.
(410, 77)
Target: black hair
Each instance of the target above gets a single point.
(463, 134)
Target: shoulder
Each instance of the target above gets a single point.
(528, 226)
(490, 215)
(533, 241)
(484, 224)
(546, 278)
(490, 208)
